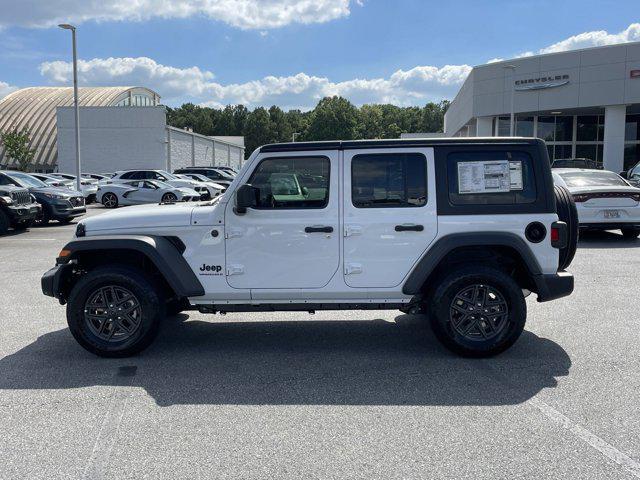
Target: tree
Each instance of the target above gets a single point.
(334, 118)
(281, 130)
(16, 145)
(257, 129)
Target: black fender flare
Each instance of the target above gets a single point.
(163, 252)
(443, 246)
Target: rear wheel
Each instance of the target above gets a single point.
(567, 213)
(169, 198)
(23, 225)
(477, 311)
(110, 200)
(115, 311)
(631, 233)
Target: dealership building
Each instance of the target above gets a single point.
(583, 103)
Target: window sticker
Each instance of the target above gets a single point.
(493, 176)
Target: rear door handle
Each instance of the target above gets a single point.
(409, 228)
(318, 229)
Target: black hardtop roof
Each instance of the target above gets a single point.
(399, 143)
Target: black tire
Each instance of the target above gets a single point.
(23, 225)
(567, 212)
(44, 217)
(150, 314)
(630, 233)
(169, 198)
(507, 306)
(109, 200)
(65, 220)
(4, 223)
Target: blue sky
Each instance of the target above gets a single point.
(293, 52)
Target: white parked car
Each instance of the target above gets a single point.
(205, 191)
(203, 180)
(53, 181)
(88, 186)
(138, 192)
(604, 200)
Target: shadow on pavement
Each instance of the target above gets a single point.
(605, 239)
(296, 362)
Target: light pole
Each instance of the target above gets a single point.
(512, 120)
(66, 26)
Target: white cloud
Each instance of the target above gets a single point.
(6, 89)
(595, 39)
(415, 86)
(244, 14)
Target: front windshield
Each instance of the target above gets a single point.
(27, 180)
(225, 174)
(592, 179)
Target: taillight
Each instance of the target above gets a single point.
(555, 234)
(559, 235)
(581, 197)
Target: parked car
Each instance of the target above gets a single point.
(230, 170)
(53, 181)
(604, 200)
(632, 175)
(203, 180)
(576, 163)
(162, 176)
(212, 173)
(88, 186)
(137, 192)
(18, 208)
(387, 227)
(57, 203)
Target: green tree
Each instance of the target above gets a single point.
(334, 118)
(370, 122)
(16, 145)
(280, 129)
(257, 129)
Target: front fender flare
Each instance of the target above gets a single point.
(161, 251)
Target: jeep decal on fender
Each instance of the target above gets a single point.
(210, 269)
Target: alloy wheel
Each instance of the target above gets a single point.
(113, 313)
(479, 312)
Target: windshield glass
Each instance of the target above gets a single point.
(592, 179)
(225, 174)
(27, 180)
(167, 175)
(160, 184)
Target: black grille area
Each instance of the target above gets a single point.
(21, 197)
(77, 201)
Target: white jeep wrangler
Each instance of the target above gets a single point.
(459, 229)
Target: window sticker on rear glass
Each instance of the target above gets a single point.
(495, 176)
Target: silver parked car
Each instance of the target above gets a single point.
(138, 192)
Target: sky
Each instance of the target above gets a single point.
(292, 53)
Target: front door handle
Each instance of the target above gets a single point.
(409, 228)
(318, 229)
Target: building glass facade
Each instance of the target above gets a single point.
(573, 136)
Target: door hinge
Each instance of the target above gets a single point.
(235, 269)
(352, 268)
(350, 230)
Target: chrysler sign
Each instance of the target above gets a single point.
(540, 83)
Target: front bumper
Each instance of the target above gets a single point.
(23, 213)
(610, 225)
(553, 286)
(52, 281)
(66, 210)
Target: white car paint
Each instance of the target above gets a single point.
(599, 203)
(137, 192)
(204, 181)
(88, 186)
(266, 256)
(166, 177)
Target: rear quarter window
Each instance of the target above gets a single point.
(471, 184)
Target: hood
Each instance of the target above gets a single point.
(141, 216)
(56, 191)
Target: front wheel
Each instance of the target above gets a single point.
(477, 311)
(115, 311)
(630, 233)
(169, 198)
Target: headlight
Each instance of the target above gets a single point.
(81, 230)
(33, 199)
(56, 196)
(6, 200)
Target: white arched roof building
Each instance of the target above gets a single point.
(35, 109)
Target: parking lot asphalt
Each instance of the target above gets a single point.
(334, 395)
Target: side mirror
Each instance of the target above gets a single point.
(305, 191)
(246, 197)
(624, 174)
